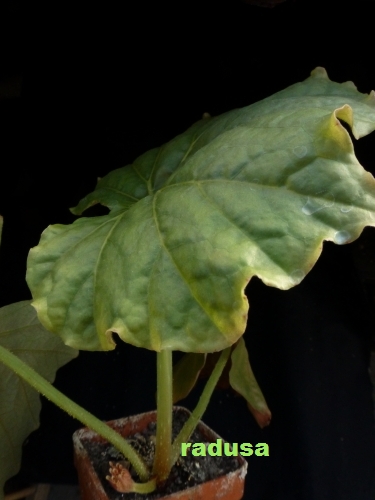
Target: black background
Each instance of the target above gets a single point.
(102, 84)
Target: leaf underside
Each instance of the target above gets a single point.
(242, 380)
(22, 333)
(186, 373)
(253, 192)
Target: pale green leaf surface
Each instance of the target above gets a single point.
(124, 186)
(186, 373)
(22, 334)
(255, 191)
(242, 380)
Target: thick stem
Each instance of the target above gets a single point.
(195, 417)
(163, 446)
(50, 392)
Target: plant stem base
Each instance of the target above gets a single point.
(226, 487)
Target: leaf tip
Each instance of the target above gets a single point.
(349, 84)
(108, 344)
(74, 210)
(371, 98)
(263, 418)
(83, 205)
(319, 72)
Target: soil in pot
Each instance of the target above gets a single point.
(188, 471)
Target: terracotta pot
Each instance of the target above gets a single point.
(227, 487)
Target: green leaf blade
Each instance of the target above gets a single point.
(254, 192)
(22, 334)
(69, 254)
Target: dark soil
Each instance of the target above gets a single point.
(187, 472)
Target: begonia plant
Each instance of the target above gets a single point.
(253, 192)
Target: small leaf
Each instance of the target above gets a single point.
(186, 373)
(242, 380)
(22, 333)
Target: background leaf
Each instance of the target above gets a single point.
(255, 191)
(185, 374)
(242, 380)
(22, 333)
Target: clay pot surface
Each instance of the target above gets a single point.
(227, 487)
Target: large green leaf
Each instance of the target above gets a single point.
(252, 192)
(22, 333)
